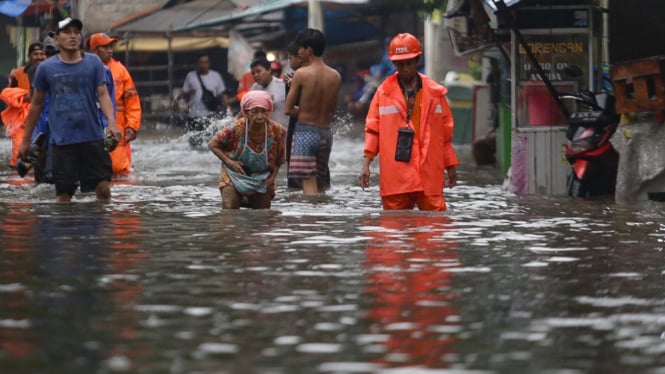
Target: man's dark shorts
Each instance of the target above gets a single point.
(84, 163)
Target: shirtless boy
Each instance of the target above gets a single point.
(312, 98)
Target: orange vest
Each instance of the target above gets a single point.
(432, 151)
(21, 77)
(246, 81)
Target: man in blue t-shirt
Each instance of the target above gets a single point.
(75, 82)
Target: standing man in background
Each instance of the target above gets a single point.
(196, 81)
(128, 103)
(312, 98)
(410, 124)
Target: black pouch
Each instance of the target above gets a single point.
(209, 100)
(110, 142)
(404, 142)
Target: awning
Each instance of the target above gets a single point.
(175, 17)
(257, 10)
(14, 8)
(511, 3)
(178, 43)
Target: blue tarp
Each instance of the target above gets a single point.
(14, 8)
(339, 26)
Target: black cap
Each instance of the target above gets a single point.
(34, 47)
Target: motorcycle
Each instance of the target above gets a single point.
(593, 159)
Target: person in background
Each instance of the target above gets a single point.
(76, 84)
(127, 102)
(50, 46)
(247, 79)
(358, 103)
(411, 125)
(43, 168)
(276, 69)
(21, 77)
(295, 63)
(384, 67)
(266, 81)
(4, 82)
(110, 87)
(195, 81)
(251, 150)
(312, 98)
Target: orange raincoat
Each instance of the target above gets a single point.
(14, 117)
(20, 75)
(128, 114)
(432, 151)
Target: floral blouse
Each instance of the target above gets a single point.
(232, 141)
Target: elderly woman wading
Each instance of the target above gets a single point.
(251, 150)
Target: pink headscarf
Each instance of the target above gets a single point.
(256, 99)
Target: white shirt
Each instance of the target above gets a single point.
(212, 81)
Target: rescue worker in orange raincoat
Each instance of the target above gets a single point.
(17, 105)
(409, 123)
(128, 103)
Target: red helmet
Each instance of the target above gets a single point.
(403, 47)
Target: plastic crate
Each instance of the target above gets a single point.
(639, 85)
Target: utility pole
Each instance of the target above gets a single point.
(74, 12)
(315, 15)
(432, 46)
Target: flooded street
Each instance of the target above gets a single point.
(162, 280)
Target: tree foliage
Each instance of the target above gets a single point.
(430, 6)
(425, 6)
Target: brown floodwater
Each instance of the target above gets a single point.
(162, 280)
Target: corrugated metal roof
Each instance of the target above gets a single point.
(256, 10)
(178, 16)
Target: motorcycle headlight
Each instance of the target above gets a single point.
(581, 145)
(584, 139)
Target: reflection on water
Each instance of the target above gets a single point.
(162, 280)
(410, 288)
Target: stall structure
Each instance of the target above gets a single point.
(547, 44)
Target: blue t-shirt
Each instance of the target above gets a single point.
(110, 87)
(42, 122)
(72, 88)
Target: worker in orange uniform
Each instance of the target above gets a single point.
(21, 77)
(128, 103)
(410, 124)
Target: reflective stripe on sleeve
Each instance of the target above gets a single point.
(388, 109)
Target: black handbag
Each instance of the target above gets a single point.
(208, 98)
